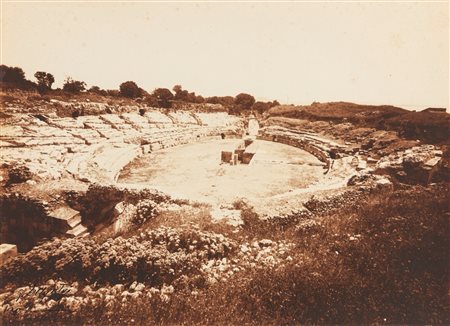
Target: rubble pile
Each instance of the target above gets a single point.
(417, 164)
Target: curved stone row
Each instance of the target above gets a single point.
(91, 148)
(95, 148)
(325, 150)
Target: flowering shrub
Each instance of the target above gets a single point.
(154, 256)
(145, 210)
(64, 298)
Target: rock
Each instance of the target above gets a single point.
(139, 287)
(265, 243)
(109, 298)
(414, 165)
(51, 303)
(71, 303)
(244, 248)
(70, 290)
(7, 251)
(87, 289)
(118, 288)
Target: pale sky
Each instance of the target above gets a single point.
(371, 53)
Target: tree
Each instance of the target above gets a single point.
(164, 97)
(199, 99)
(143, 92)
(113, 92)
(98, 90)
(12, 74)
(44, 80)
(14, 77)
(177, 89)
(130, 89)
(244, 101)
(226, 101)
(180, 94)
(261, 106)
(74, 86)
(191, 97)
(151, 100)
(274, 103)
(212, 100)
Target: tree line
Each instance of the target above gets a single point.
(14, 78)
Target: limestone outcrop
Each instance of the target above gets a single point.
(415, 165)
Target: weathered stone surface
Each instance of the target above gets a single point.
(226, 156)
(247, 157)
(7, 251)
(183, 117)
(416, 164)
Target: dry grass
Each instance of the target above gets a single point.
(384, 262)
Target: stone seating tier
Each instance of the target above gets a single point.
(100, 144)
(183, 117)
(157, 117)
(112, 119)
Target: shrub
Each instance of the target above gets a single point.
(130, 89)
(163, 96)
(146, 209)
(97, 90)
(19, 174)
(244, 100)
(45, 81)
(74, 86)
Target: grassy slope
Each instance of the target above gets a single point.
(394, 272)
(384, 262)
(429, 127)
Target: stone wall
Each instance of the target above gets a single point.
(25, 221)
(97, 205)
(318, 147)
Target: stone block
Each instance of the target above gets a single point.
(247, 142)
(7, 251)
(239, 153)
(226, 156)
(247, 157)
(146, 148)
(235, 159)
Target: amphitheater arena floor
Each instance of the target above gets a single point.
(194, 171)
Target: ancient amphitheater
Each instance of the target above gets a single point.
(95, 149)
(72, 187)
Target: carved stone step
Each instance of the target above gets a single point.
(77, 231)
(74, 221)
